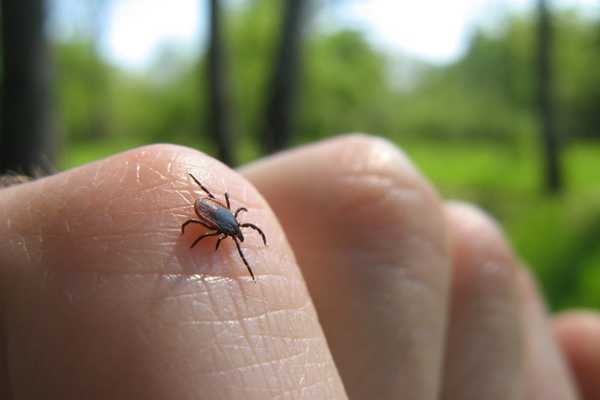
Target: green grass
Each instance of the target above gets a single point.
(76, 154)
(558, 236)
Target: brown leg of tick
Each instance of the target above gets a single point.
(256, 228)
(239, 210)
(243, 258)
(219, 241)
(193, 221)
(202, 186)
(205, 236)
(227, 200)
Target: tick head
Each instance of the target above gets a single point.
(239, 234)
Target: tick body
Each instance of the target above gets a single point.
(221, 221)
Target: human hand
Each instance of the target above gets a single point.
(416, 298)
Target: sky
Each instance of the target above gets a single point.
(138, 28)
(433, 30)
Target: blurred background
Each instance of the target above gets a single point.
(497, 101)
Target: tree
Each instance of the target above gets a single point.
(26, 141)
(219, 89)
(82, 85)
(281, 99)
(549, 137)
(346, 88)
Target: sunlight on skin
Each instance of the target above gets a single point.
(102, 296)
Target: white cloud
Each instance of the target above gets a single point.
(426, 28)
(137, 28)
(434, 30)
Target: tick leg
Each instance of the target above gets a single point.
(244, 258)
(202, 186)
(204, 236)
(192, 221)
(227, 200)
(256, 228)
(219, 242)
(239, 210)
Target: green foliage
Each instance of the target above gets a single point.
(83, 82)
(578, 75)
(344, 77)
(490, 93)
(157, 110)
(558, 237)
(252, 34)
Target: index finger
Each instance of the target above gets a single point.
(103, 298)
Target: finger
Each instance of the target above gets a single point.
(103, 298)
(369, 234)
(484, 347)
(578, 333)
(546, 374)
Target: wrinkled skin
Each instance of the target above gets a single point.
(372, 286)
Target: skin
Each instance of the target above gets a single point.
(578, 333)
(485, 341)
(389, 292)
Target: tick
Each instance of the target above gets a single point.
(221, 221)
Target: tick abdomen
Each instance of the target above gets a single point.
(215, 213)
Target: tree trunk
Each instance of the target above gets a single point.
(219, 89)
(26, 137)
(549, 136)
(281, 99)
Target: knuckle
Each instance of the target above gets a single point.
(378, 165)
(378, 186)
(479, 248)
